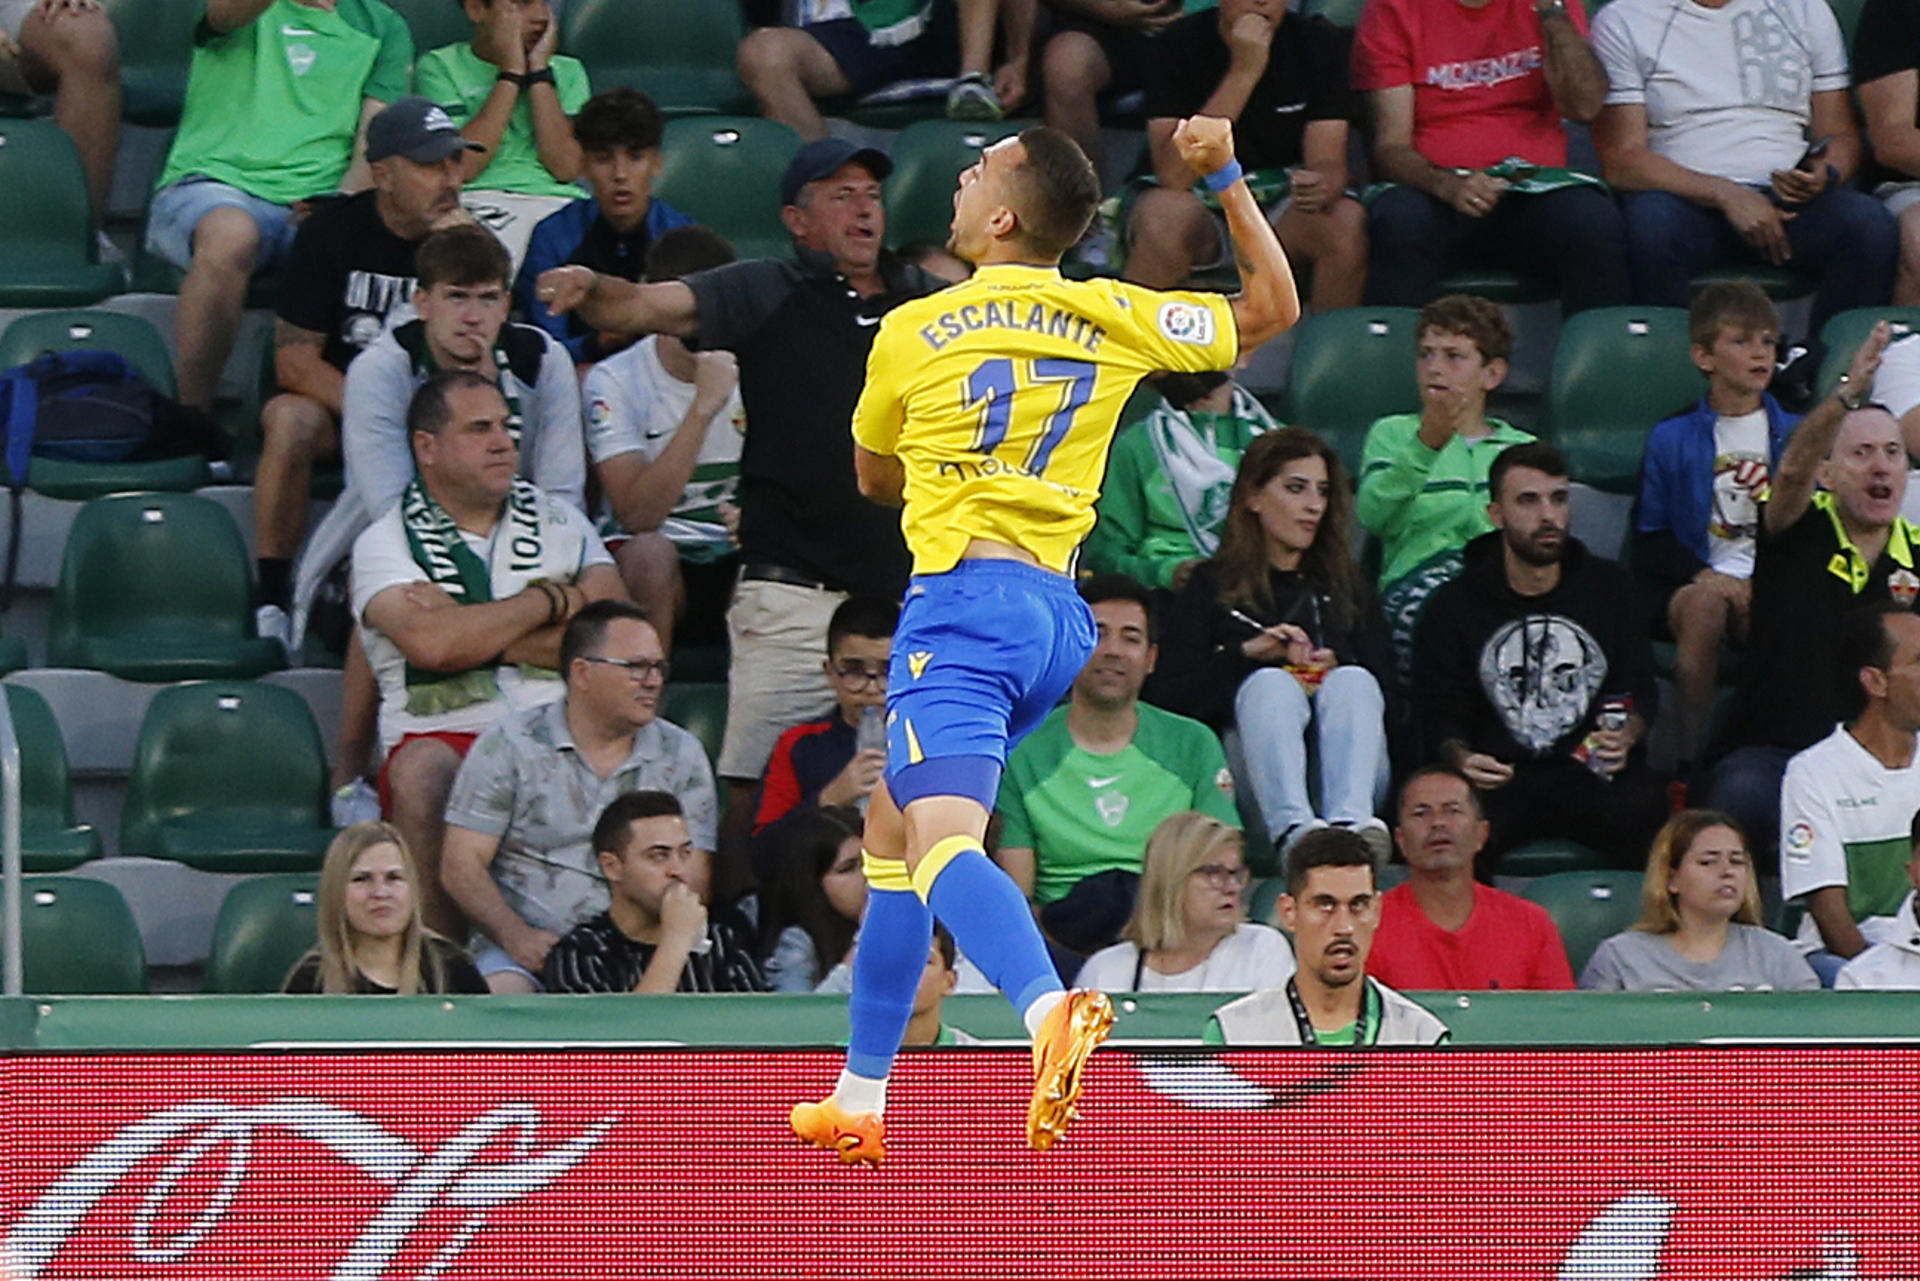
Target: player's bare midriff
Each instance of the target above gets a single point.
(992, 549)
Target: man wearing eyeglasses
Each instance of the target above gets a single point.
(519, 849)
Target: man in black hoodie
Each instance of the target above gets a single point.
(1520, 659)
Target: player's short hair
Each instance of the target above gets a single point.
(587, 631)
(626, 809)
(684, 250)
(1328, 847)
(1475, 319)
(1100, 588)
(429, 411)
(618, 118)
(1534, 454)
(1056, 191)
(1736, 305)
(464, 255)
(874, 617)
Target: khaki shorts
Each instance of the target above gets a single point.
(776, 678)
(510, 217)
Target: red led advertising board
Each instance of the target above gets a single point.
(1689, 1163)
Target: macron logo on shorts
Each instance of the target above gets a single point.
(1187, 322)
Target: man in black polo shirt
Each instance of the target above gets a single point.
(1821, 554)
(801, 328)
(1282, 79)
(350, 268)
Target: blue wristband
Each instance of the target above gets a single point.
(1225, 176)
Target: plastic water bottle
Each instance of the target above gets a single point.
(872, 734)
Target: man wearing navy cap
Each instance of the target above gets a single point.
(801, 328)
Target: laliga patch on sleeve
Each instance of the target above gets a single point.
(599, 412)
(1798, 847)
(1187, 322)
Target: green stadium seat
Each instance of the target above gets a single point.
(701, 710)
(1843, 334)
(1263, 900)
(434, 23)
(1341, 13)
(700, 664)
(1587, 908)
(1779, 282)
(679, 53)
(146, 351)
(927, 160)
(1497, 284)
(1617, 371)
(156, 587)
(266, 924)
(48, 255)
(725, 171)
(156, 53)
(228, 776)
(78, 938)
(13, 655)
(1549, 858)
(1349, 368)
(1847, 12)
(50, 841)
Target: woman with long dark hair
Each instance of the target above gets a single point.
(1279, 636)
(813, 911)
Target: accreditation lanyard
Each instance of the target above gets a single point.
(1365, 1028)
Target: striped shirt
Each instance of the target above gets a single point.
(596, 956)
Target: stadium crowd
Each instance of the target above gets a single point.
(580, 436)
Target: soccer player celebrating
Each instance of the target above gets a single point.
(988, 412)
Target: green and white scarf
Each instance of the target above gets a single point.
(451, 565)
(1187, 448)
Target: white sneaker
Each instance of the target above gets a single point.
(1377, 835)
(270, 622)
(972, 98)
(356, 802)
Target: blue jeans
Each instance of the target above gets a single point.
(1746, 784)
(179, 206)
(1844, 237)
(1572, 237)
(1348, 719)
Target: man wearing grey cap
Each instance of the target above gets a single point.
(801, 328)
(349, 277)
(277, 96)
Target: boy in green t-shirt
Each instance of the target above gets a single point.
(278, 98)
(511, 93)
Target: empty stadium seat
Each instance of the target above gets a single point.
(1547, 858)
(725, 171)
(1618, 371)
(48, 255)
(1498, 284)
(1587, 908)
(1349, 368)
(140, 343)
(679, 53)
(156, 52)
(156, 587)
(228, 776)
(701, 710)
(79, 938)
(266, 924)
(927, 160)
(50, 841)
(1843, 334)
(1263, 900)
(433, 22)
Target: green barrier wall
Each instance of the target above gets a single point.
(1479, 1018)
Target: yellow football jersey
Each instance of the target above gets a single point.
(1000, 396)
